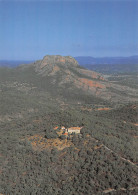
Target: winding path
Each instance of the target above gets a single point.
(107, 148)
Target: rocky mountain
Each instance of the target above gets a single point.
(64, 74)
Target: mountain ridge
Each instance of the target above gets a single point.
(64, 74)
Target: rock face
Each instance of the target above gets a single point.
(65, 71)
(51, 61)
(91, 74)
(51, 64)
(89, 84)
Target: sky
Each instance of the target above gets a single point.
(31, 29)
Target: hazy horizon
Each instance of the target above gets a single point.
(31, 60)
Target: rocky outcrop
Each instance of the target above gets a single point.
(90, 83)
(51, 64)
(57, 59)
(91, 74)
(65, 71)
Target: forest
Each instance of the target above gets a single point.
(36, 158)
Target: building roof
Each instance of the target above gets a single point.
(62, 127)
(74, 128)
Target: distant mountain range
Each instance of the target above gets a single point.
(85, 60)
(102, 64)
(13, 63)
(109, 65)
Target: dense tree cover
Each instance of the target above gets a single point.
(128, 113)
(86, 167)
(80, 169)
(102, 157)
(125, 79)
